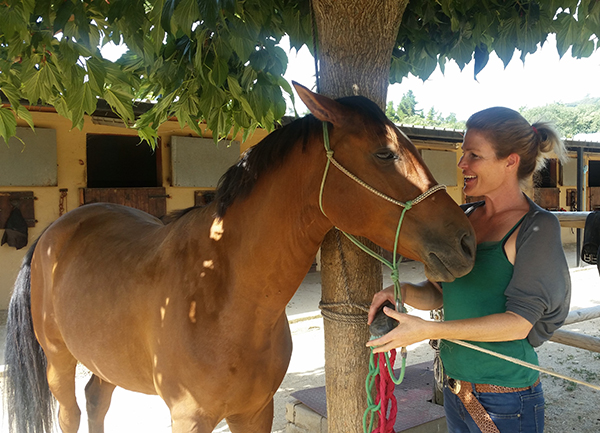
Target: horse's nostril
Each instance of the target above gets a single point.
(468, 245)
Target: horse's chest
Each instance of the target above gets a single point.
(228, 369)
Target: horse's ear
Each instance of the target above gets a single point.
(323, 108)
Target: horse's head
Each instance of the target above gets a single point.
(364, 142)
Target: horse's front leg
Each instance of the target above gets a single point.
(186, 417)
(259, 422)
(98, 394)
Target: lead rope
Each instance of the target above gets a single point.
(523, 363)
(381, 375)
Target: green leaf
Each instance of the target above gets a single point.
(12, 20)
(481, 58)
(234, 87)
(187, 119)
(61, 107)
(581, 50)
(209, 12)
(120, 103)
(185, 14)
(97, 75)
(424, 65)
(242, 119)
(80, 103)
(283, 83)
(12, 93)
(167, 14)
(218, 75)
(249, 131)
(36, 85)
(8, 124)
(259, 59)
(398, 70)
(200, 38)
(279, 61)
(504, 45)
(243, 37)
(248, 78)
(149, 135)
(23, 113)
(566, 34)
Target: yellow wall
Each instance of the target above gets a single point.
(71, 155)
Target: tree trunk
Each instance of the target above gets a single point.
(355, 43)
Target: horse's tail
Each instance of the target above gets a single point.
(28, 400)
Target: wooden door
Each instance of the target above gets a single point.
(594, 198)
(151, 199)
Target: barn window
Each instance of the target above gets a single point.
(120, 161)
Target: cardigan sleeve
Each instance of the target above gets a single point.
(540, 288)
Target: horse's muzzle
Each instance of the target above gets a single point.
(447, 264)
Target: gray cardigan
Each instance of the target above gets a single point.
(540, 288)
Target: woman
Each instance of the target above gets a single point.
(517, 294)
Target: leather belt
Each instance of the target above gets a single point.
(464, 391)
(455, 385)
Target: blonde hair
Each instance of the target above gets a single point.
(509, 133)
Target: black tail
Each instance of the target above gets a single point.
(28, 401)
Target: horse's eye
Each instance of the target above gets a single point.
(386, 155)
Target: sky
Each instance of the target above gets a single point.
(542, 79)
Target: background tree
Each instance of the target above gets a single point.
(581, 117)
(217, 61)
(408, 105)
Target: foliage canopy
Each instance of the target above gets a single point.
(218, 61)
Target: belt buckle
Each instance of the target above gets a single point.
(454, 385)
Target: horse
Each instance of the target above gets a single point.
(194, 309)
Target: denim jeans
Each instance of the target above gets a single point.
(515, 412)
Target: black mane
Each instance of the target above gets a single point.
(272, 151)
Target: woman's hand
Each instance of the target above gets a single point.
(410, 330)
(379, 298)
(495, 327)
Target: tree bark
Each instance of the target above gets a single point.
(355, 43)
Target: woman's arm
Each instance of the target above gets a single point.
(426, 295)
(496, 327)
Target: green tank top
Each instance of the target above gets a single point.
(477, 294)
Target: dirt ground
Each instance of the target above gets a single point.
(570, 407)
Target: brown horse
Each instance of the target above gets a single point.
(194, 310)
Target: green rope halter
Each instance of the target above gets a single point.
(393, 266)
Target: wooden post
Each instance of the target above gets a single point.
(582, 315)
(576, 340)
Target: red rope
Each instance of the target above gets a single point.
(385, 395)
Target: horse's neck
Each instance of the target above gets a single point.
(277, 230)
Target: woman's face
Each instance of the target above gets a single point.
(482, 171)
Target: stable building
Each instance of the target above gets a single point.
(57, 168)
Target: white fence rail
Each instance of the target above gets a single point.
(569, 338)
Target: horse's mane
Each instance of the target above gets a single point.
(176, 214)
(239, 180)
